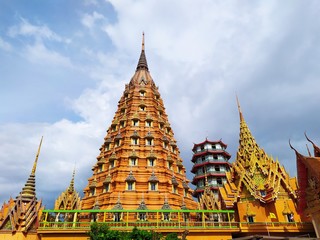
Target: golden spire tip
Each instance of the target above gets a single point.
(36, 160)
(142, 41)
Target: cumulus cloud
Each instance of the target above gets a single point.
(5, 45)
(38, 53)
(25, 28)
(89, 20)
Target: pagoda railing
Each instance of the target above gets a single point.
(127, 219)
(216, 220)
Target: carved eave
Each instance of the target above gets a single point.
(174, 181)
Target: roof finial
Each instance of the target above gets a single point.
(142, 41)
(36, 160)
(239, 108)
(142, 64)
(71, 186)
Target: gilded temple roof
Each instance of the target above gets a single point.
(257, 172)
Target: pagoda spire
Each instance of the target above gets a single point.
(142, 64)
(239, 109)
(28, 191)
(246, 139)
(71, 186)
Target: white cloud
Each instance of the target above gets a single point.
(89, 20)
(38, 32)
(5, 45)
(38, 53)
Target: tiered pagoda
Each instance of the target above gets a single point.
(210, 160)
(20, 216)
(258, 187)
(308, 169)
(139, 162)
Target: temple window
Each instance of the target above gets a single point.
(111, 164)
(107, 146)
(166, 216)
(179, 169)
(100, 168)
(148, 123)
(114, 128)
(289, 217)
(170, 165)
(151, 162)
(161, 125)
(135, 141)
(165, 145)
(142, 108)
(142, 93)
(135, 123)
(133, 162)
(219, 181)
(153, 186)
(250, 219)
(174, 189)
(122, 123)
(149, 142)
(92, 192)
(123, 110)
(130, 186)
(263, 193)
(217, 168)
(185, 193)
(142, 216)
(117, 216)
(117, 142)
(106, 187)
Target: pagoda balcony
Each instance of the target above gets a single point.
(210, 174)
(211, 151)
(208, 162)
(212, 187)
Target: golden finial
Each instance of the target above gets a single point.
(239, 108)
(36, 160)
(142, 41)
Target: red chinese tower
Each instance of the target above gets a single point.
(210, 160)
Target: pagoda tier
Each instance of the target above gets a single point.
(308, 169)
(257, 186)
(210, 160)
(139, 160)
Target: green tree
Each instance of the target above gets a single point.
(100, 231)
(172, 236)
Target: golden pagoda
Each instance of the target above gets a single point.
(308, 169)
(139, 165)
(258, 187)
(69, 199)
(21, 215)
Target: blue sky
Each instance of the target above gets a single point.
(64, 65)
